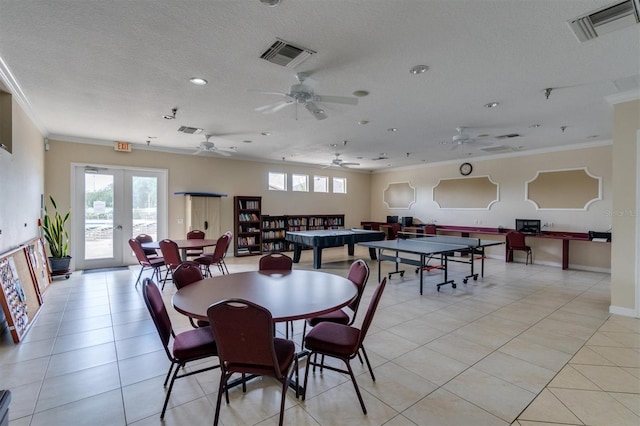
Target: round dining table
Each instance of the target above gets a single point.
(183, 245)
(288, 295)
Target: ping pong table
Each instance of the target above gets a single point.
(427, 247)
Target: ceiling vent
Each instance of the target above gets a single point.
(286, 54)
(497, 149)
(605, 20)
(190, 130)
(508, 136)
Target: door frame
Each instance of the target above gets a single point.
(77, 221)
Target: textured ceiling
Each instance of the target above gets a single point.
(105, 71)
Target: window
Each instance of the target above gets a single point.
(339, 185)
(300, 183)
(277, 181)
(320, 184)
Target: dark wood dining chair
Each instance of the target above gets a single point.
(244, 334)
(205, 261)
(155, 263)
(187, 273)
(195, 234)
(516, 242)
(188, 346)
(343, 342)
(172, 258)
(226, 250)
(358, 275)
(277, 262)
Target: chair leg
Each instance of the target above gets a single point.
(368, 363)
(306, 376)
(139, 275)
(222, 387)
(173, 379)
(166, 379)
(355, 385)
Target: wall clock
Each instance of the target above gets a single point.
(466, 169)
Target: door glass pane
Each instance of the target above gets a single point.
(144, 206)
(98, 216)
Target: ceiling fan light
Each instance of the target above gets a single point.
(198, 81)
(491, 104)
(418, 69)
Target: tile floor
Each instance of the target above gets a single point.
(525, 345)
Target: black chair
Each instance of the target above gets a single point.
(244, 334)
(191, 345)
(343, 342)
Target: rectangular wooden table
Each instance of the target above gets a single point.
(330, 238)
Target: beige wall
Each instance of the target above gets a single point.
(511, 174)
(21, 182)
(626, 122)
(206, 173)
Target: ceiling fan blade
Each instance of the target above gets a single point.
(197, 152)
(265, 92)
(271, 108)
(316, 111)
(337, 99)
(220, 152)
(349, 164)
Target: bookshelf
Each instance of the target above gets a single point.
(275, 227)
(248, 225)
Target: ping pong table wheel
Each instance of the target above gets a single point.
(454, 285)
(475, 277)
(464, 281)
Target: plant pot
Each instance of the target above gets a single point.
(59, 264)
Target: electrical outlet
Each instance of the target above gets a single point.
(550, 224)
(180, 221)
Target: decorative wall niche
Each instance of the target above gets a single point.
(567, 189)
(399, 195)
(466, 193)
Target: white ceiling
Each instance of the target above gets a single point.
(106, 71)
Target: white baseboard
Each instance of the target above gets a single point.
(627, 312)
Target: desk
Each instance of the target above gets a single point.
(330, 238)
(427, 247)
(288, 295)
(183, 245)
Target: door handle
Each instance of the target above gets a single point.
(206, 225)
(118, 227)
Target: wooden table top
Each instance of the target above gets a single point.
(288, 295)
(183, 244)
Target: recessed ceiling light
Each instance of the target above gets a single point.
(491, 105)
(363, 122)
(535, 126)
(392, 129)
(360, 93)
(198, 81)
(233, 147)
(333, 145)
(266, 133)
(383, 154)
(270, 3)
(247, 141)
(593, 136)
(418, 69)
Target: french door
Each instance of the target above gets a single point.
(110, 206)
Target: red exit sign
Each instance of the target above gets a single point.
(123, 146)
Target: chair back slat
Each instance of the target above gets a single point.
(187, 273)
(138, 251)
(275, 262)
(195, 234)
(358, 275)
(516, 240)
(221, 247)
(244, 334)
(171, 253)
(145, 238)
(155, 305)
(371, 310)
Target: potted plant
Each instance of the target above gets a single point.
(57, 236)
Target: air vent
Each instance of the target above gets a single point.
(508, 136)
(497, 149)
(605, 20)
(190, 130)
(286, 54)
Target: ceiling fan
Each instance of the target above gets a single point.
(462, 138)
(208, 146)
(303, 94)
(338, 162)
